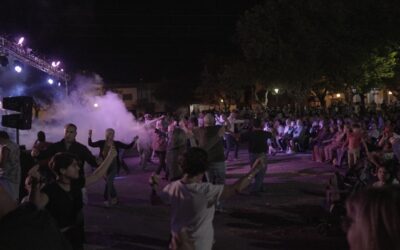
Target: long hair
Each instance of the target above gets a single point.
(378, 212)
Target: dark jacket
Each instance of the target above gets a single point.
(76, 148)
(118, 145)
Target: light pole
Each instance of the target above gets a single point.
(276, 90)
(390, 93)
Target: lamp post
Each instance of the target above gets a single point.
(276, 90)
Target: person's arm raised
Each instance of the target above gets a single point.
(242, 183)
(35, 195)
(95, 144)
(102, 169)
(155, 120)
(126, 146)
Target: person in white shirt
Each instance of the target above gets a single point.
(296, 141)
(232, 135)
(193, 201)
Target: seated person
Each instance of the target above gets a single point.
(336, 143)
(299, 137)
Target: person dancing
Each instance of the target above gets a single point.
(110, 193)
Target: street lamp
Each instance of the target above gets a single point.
(276, 90)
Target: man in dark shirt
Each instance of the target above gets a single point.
(209, 138)
(70, 145)
(258, 148)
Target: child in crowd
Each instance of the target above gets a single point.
(353, 143)
(383, 177)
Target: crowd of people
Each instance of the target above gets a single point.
(192, 153)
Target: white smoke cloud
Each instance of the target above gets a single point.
(79, 109)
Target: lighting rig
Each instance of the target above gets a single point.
(17, 51)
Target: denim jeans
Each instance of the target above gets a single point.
(231, 142)
(216, 175)
(396, 148)
(258, 182)
(109, 191)
(162, 165)
(144, 154)
(216, 172)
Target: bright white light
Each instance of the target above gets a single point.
(62, 70)
(338, 95)
(18, 69)
(390, 93)
(276, 91)
(55, 64)
(59, 84)
(96, 105)
(222, 100)
(21, 41)
(50, 81)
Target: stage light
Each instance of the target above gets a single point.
(50, 81)
(59, 84)
(338, 95)
(96, 105)
(390, 93)
(18, 69)
(55, 64)
(276, 91)
(222, 100)
(20, 41)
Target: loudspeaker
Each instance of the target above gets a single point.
(21, 104)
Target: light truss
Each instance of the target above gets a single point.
(24, 55)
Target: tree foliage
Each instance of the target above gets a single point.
(223, 78)
(321, 46)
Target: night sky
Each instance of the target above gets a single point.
(125, 41)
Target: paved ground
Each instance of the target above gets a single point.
(284, 217)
